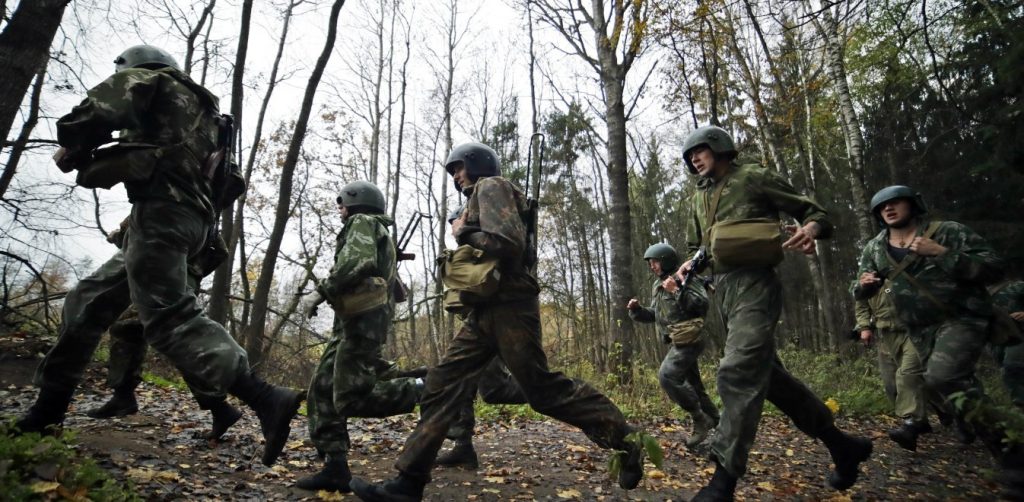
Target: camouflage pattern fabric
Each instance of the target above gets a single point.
(1011, 299)
(161, 107)
(352, 378)
(900, 365)
(496, 386)
(750, 192)
(750, 300)
(508, 329)
(127, 353)
(679, 375)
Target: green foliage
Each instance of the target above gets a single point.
(159, 381)
(34, 467)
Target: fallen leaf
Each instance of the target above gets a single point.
(44, 486)
(571, 493)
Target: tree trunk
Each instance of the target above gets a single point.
(18, 147)
(257, 324)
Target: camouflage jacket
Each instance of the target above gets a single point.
(161, 107)
(875, 312)
(750, 192)
(494, 224)
(1009, 296)
(365, 249)
(957, 278)
(669, 308)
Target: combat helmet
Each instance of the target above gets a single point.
(481, 161)
(361, 197)
(666, 254)
(889, 193)
(145, 56)
(716, 138)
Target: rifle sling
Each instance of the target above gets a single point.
(901, 267)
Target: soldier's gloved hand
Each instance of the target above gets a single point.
(633, 304)
(309, 304)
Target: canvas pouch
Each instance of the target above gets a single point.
(686, 332)
(753, 242)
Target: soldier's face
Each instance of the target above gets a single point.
(703, 160)
(344, 212)
(655, 265)
(459, 175)
(897, 212)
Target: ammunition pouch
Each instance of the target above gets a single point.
(1003, 330)
(453, 302)
(469, 272)
(120, 163)
(686, 332)
(371, 293)
(755, 242)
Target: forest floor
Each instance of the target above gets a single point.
(160, 450)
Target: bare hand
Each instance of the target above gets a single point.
(684, 269)
(802, 238)
(866, 335)
(670, 284)
(633, 304)
(458, 223)
(868, 279)
(1017, 316)
(927, 247)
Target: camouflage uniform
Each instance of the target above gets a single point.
(679, 374)
(750, 301)
(505, 325)
(496, 386)
(1010, 297)
(949, 338)
(350, 379)
(898, 361)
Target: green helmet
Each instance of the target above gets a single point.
(666, 254)
(145, 56)
(362, 197)
(897, 192)
(481, 161)
(716, 138)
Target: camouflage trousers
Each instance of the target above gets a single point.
(1011, 360)
(902, 372)
(512, 332)
(496, 386)
(679, 376)
(950, 351)
(351, 381)
(750, 301)
(150, 271)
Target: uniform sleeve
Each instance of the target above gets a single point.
(119, 102)
(692, 299)
(865, 264)
(643, 314)
(969, 258)
(501, 232)
(356, 260)
(782, 194)
(862, 314)
(693, 232)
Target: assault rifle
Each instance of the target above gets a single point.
(400, 291)
(220, 168)
(698, 262)
(533, 201)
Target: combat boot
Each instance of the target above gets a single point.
(122, 403)
(46, 413)
(906, 434)
(720, 489)
(703, 424)
(224, 416)
(461, 455)
(632, 470)
(400, 489)
(962, 431)
(334, 477)
(847, 453)
(274, 406)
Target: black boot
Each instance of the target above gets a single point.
(906, 434)
(720, 489)
(703, 424)
(400, 489)
(122, 403)
(274, 406)
(847, 453)
(334, 477)
(46, 413)
(632, 466)
(962, 431)
(224, 416)
(461, 455)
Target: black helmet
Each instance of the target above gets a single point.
(897, 192)
(363, 197)
(481, 161)
(454, 214)
(716, 138)
(145, 56)
(666, 254)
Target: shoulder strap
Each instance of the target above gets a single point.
(901, 267)
(712, 209)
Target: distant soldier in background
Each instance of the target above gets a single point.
(170, 137)
(678, 313)
(353, 379)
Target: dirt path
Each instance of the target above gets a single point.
(161, 452)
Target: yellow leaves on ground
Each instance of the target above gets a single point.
(577, 448)
(44, 486)
(655, 474)
(146, 475)
(329, 496)
(766, 486)
(495, 479)
(570, 494)
(832, 405)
